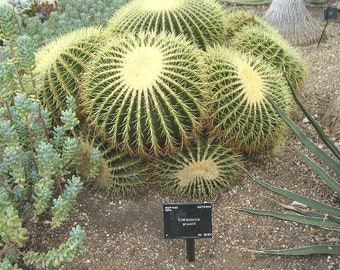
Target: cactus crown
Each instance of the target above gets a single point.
(155, 5)
(241, 85)
(144, 91)
(201, 170)
(201, 21)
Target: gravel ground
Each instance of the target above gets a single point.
(127, 233)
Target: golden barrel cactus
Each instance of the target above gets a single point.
(110, 170)
(274, 49)
(201, 170)
(241, 86)
(201, 21)
(145, 92)
(61, 64)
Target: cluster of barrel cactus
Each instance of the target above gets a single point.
(177, 90)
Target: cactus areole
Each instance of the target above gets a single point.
(144, 92)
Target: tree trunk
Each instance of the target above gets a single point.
(294, 22)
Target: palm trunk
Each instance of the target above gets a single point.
(294, 22)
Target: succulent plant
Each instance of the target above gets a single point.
(242, 85)
(70, 15)
(144, 92)
(273, 48)
(201, 21)
(201, 170)
(10, 22)
(61, 64)
(237, 19)
(109, 169)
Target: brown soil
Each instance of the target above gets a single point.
(127, 233)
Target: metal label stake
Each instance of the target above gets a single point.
(330, 14)
(188, 221)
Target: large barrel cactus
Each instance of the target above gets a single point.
(242, 85)
(274, 49)
(201, 21)
(112, 171)
(200, 171)
(144, 92)
(61, 64)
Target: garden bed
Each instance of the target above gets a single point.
(127, 233)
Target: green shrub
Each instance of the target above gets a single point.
(201, 21)
(70, 15)
(145, 92)
(36, 162)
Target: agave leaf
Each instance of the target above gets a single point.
(317, 249)
(333, 164)
(319, 206)
(316, 126)
(315, 221)
(334, 185)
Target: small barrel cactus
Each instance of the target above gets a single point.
(242, 112)
(238, 19)
(144, 92)
(201, 21)
(273, 48)
(112, 171)
(200, 171)
(61, 64)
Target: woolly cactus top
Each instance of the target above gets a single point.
(201, 21)
(145, 92)
(142, 68)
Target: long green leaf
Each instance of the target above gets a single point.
(319, 206)
(318, 249)
(333, 164)
(315, 221)
(316, 126)
(334, 185)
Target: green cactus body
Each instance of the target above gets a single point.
(274, 49)
(201, 170)
(201, 21)
(61, 64)
(144, 92)
(241, 85)
(111, 170)
(238, 19)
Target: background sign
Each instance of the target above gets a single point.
(330, 13)
(187, 220)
